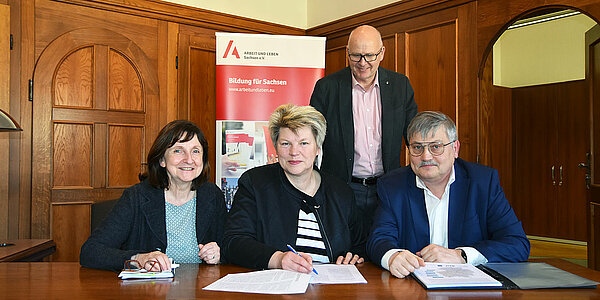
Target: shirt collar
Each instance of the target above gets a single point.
(355, 83)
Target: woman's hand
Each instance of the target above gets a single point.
(349, 259)
(291, 261)
(146, 258)
(210, 253)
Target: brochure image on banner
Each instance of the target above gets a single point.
(243, 146)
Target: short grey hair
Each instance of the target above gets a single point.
(427, 122)
(295, 117)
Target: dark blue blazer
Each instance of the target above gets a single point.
(479, 215)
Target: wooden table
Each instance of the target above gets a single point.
(27, 250)
(56, 280)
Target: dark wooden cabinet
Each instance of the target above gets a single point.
(551, 137)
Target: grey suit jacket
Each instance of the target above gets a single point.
(332, 96)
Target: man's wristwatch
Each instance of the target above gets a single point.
(463, 254)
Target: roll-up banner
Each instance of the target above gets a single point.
(255, 74)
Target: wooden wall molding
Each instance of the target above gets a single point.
(384, 15)
(182, 14)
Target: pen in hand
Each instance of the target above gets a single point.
(292, 249)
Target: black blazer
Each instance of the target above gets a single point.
(332, 96)
(264, 217)
(137, 224)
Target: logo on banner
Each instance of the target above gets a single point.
(234, 52)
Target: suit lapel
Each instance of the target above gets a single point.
(346, 117)
(387, 118)
(418, 211)
(153, 209)
(457, 206)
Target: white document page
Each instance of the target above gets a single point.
(274, 281)
(437, 275)
(337, 274)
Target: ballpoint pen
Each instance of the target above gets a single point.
(292, 249)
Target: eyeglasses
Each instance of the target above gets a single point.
(435, 148)
(135, 266)
(369, 57)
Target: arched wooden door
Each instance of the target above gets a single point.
(92, 124)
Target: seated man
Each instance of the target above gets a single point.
(442, 208)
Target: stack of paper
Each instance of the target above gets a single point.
(146, 275)
(439, 276)
(264, 282)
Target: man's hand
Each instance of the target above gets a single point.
(403, 263)
(436, 253)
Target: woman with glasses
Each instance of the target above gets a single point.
(174, 213)
(291, 206)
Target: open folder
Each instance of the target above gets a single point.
(498, 276)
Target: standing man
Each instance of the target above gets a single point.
(442, 208)
(367, 109)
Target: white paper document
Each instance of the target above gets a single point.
(263, 282)
(437, 275)
(337, 274)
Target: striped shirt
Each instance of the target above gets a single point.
(309, 239)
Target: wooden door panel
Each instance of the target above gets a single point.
(573, 144)
(534, 131)
(125, 155)
(592, 76)
(124, 85)
(89, 144)
(74, 79)
(72, 164)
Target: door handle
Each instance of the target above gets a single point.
(553, 180)
(588, 170)
(560, 176)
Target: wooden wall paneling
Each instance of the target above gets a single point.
(70, 233)
(335, 59)
(167, 49)
(431, 66)
(389, 59)
(496, 142)
(125, 154)
(23, 63)
(197, 74)
(573, 144)
(5, 106)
